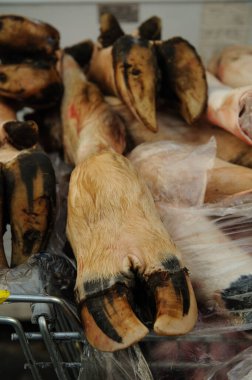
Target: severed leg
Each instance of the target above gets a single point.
(89, 123)
(29, 182)
(115, 232)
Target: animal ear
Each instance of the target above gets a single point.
(21, 134)
(81, 52)
(29, 183)
(110, 30)
(183, 75)
(136, 73)
(150, 29)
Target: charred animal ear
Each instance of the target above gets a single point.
(136, 73)
(151, 29)
(183, 77)
(22, 134)
(110, 30)
(81, 52)
(30, 188)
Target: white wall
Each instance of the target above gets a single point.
(208, 25)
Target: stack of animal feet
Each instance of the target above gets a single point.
(146, 261)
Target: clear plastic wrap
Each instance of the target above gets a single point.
(214, 239)
(216, 245)
(43, 273)
(217, 357)
(58, 237)
(176, 173)
(128, 364)
(243, 369)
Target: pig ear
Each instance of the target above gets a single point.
(136, 73)
(183, 77)
(110, 30)
(109, 322)
(21, 134)
(150, 29)
(29, 183)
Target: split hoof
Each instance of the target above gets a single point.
(176, 307)
(109, 322)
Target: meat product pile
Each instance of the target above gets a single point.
(160, 186)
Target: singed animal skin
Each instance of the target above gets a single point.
(217, 252)
(114, 229)
(110, 206)
(172, 127)
(89, 123)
